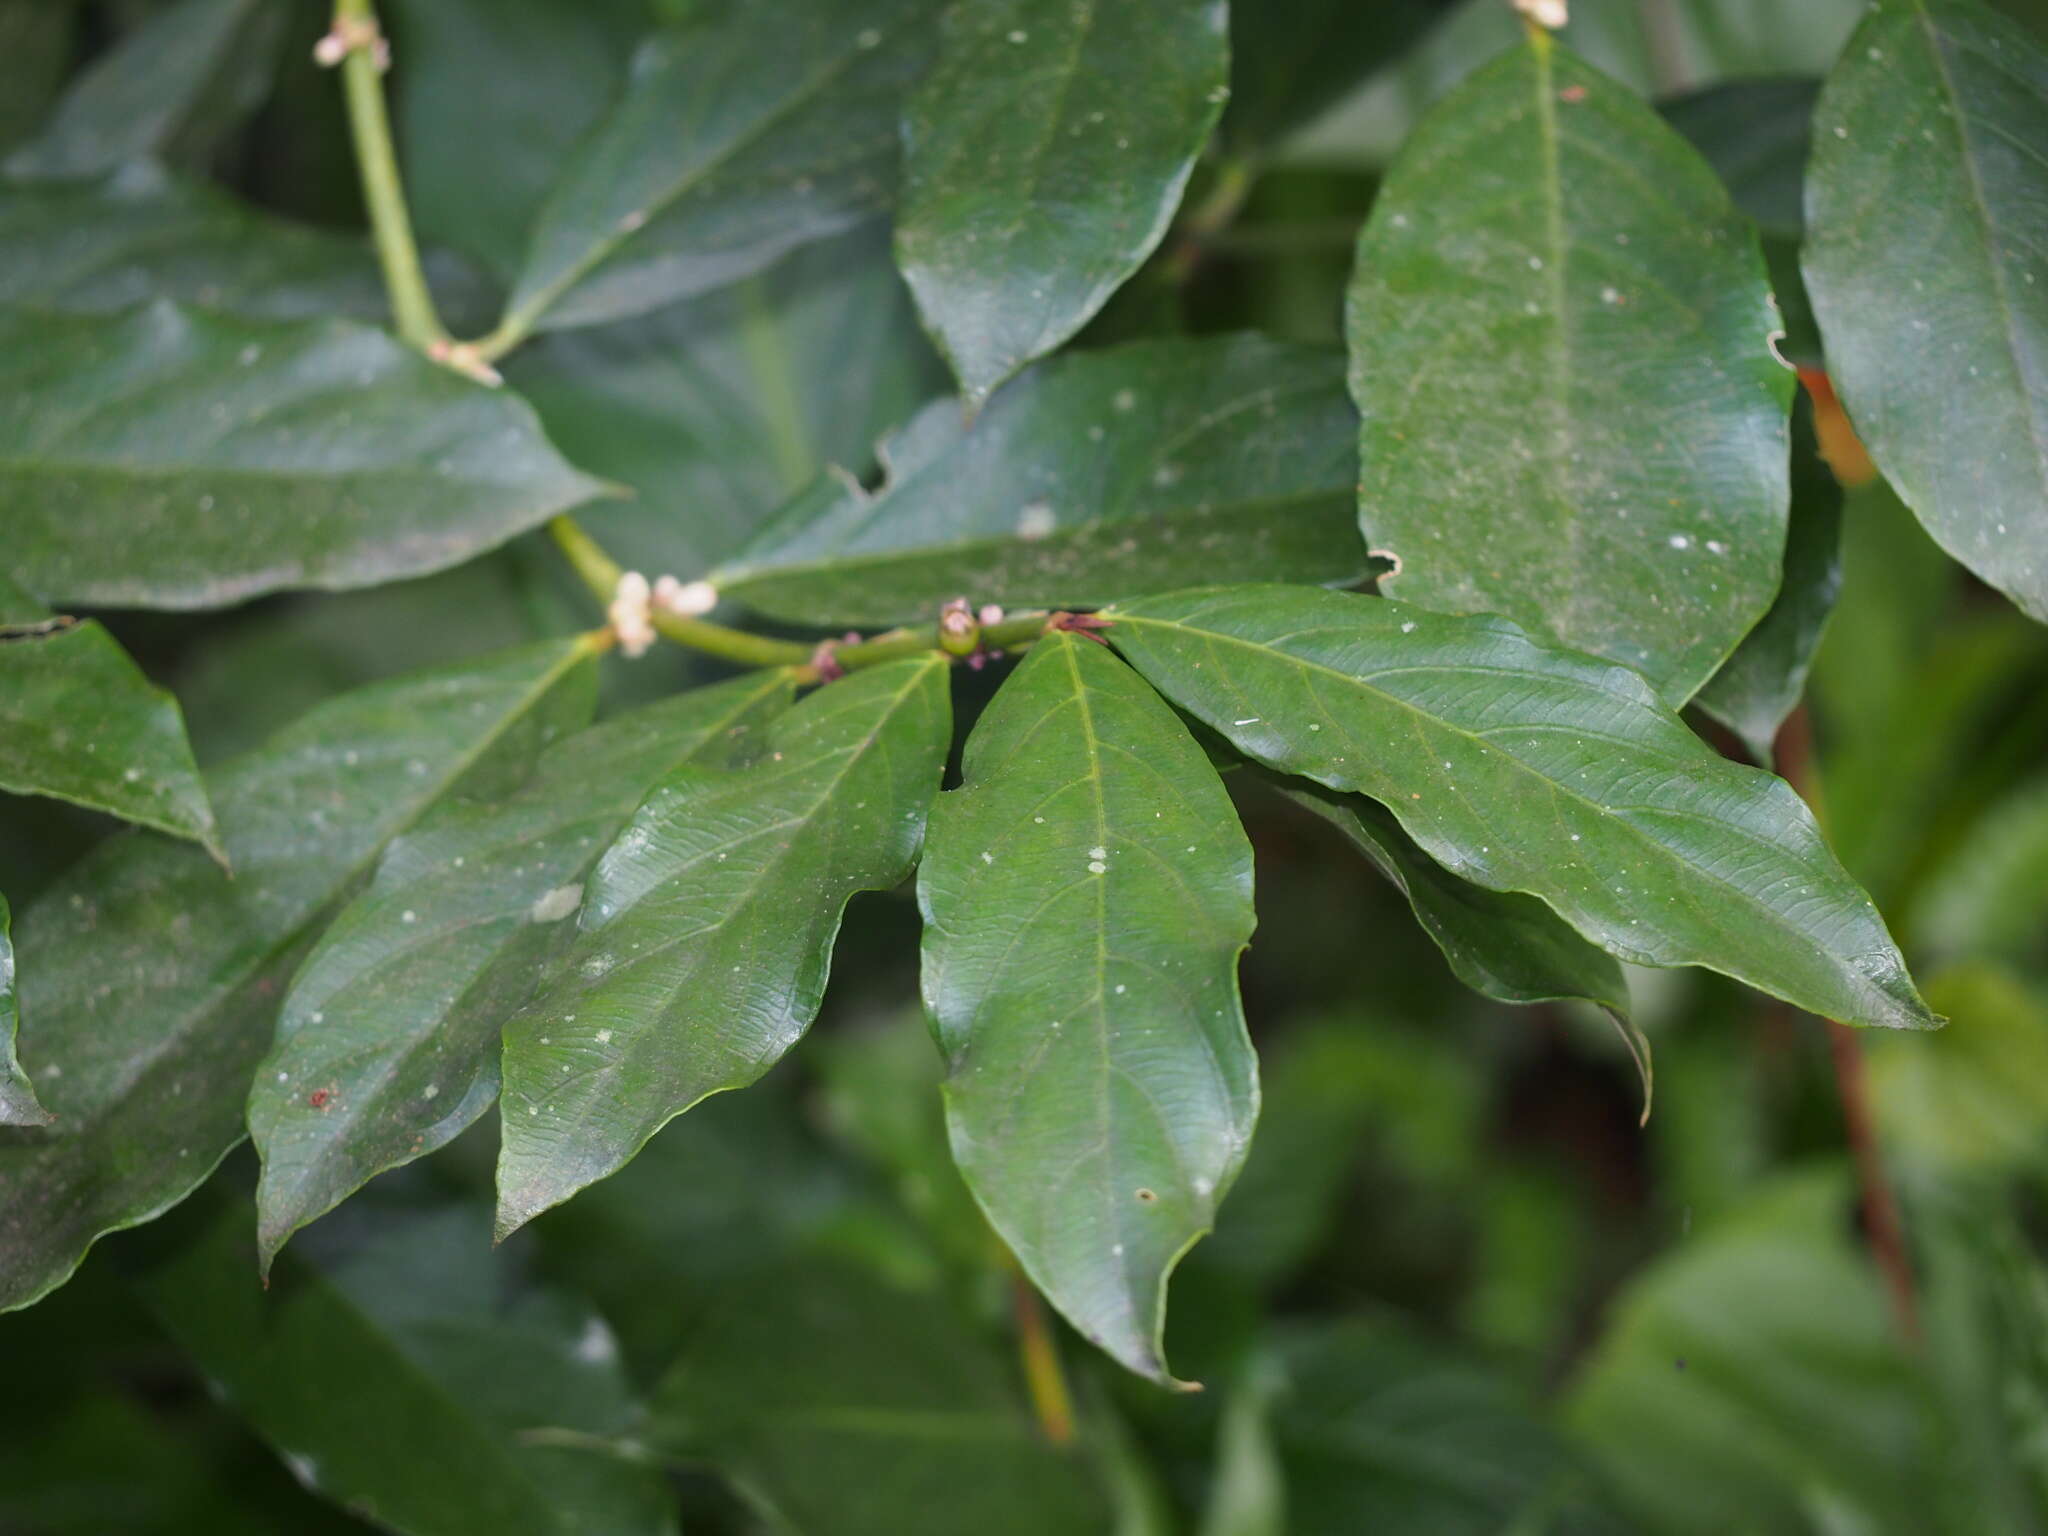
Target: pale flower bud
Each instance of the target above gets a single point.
(1545, 13)
(689, 600)
(632, 621)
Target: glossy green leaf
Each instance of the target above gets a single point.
(409, 1378)
(171, 89)
(79, 721)
(491, 97)
(394, 1019)
(840, 1407)
(707, 928)
(150, 980)
(1086, 893)
(1560, 346)
(140, 233)
(1093, 477)
(1762, 683)
(1044, 155)
(738, 138)
(1755, 134)
(715, 410)
(1525, 768)
(18, 1104)
(1936, 323)
(169, 458)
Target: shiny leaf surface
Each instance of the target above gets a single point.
(1093, 477)
(1559, 332)
(1043, 156)
(1937, 324)
(80, 722)
(394, 1019)
(18, 1104)
(1525, 768)
(169, 458)
(736, 140)
(707, 928)
(150, 980)
(1086, 892)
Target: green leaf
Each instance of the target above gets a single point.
(1976, 1096)
(1936, 323)
(840, 1407)
(394, 1019)
(150, 979)
(1989, 894)
(737, 139)
(169, 458)
(1720, 1399)
(410, 1379)
(1756, 135)
(1380, 1429)
(1094, 477)
(171, 89)
(707, 928)
(79, 721)
(1560, 347)
(715, 410)
(1043, 158)
(1524, 768)
(1762, 683)
(1086, 893)
(18, 1104)
(140, 233)
(491, 97)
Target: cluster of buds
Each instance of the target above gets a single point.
(353, 34)
(960, 627)
(1545, 13)
(634, 603)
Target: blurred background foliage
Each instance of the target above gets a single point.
(1457, 1289)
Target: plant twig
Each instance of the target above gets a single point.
(1214, 214)
(1883, 1226)
(1039, 1354)
(359, 36)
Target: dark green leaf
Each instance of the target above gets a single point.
(1755, 134)
(1380, 1430)
(171, 89)
(79, 721)
(1524, 768)
(1505, 945)
(844, 1408)
(737, 139)
(140, 233)
(150, 979)
(707, 928)
(1086, 892)
(1925, 259)
(715, 410)
(1043, 157)
(18, 1104)
(1763, 681)
(411, 1381)
(394, 1018)
(491, 98)
(169, 458)
(1560, 344)
(1289, 59)
(1094, 477)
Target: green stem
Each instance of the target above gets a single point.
(1235, 178)
(412, 306)
(600, 573)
